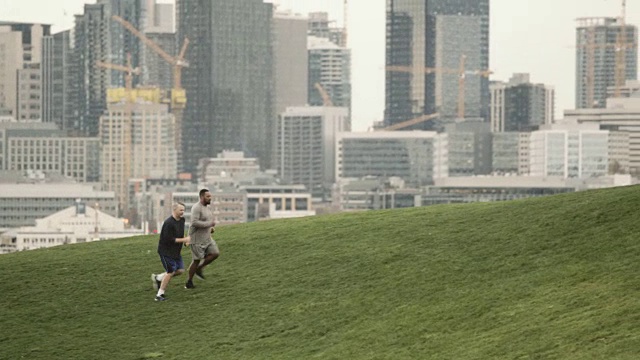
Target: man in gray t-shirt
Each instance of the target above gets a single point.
(203, 248)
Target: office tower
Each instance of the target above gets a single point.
(417, 157)
(519, 105)
(305, 149)
(229, 83)
(598, 41)
(20, 54)
(291, 60)
(98, 38)
(151, 152)
(469, 148)
(158, 26)
(330, 68)
(57, 85)
(440, 35)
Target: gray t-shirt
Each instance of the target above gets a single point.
(200, 228)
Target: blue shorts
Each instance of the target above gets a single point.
(170, 264)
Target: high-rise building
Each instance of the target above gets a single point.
(519, 105)
(330, 67)
(57, 70)
(229, 83)
(305, 151)
(291, 60)
(98, 38)
(158, 26)
(598, 41)
(20, 49)
(436, 34)
(157, 17)
(151, 152)
(29, 107)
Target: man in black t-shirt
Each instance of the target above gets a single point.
(169, 247)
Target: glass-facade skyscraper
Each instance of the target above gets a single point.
(435, 34)
(229, 83)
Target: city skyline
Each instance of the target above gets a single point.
(525, 37)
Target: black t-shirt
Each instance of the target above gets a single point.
(172, 229)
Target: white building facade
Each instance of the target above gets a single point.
(75, 224)
(569, 153)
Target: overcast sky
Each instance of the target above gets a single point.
(532, 36)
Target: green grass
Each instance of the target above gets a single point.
(546, 278)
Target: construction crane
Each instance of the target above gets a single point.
(178, 62)
(127, 128)
(128, 70)
(326, 99)
(620, 46)
(407, 123)
(461, 71)
(178, 94)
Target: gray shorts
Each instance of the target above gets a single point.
(199, 251)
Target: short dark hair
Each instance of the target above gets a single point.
(203, 191)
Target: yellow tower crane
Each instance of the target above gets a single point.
(178, 95)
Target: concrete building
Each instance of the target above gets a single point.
(227, 165)
(157, 17)
(229, 82)
(76, 224)
(22, 204)
(621, 115)
(435, 33)
(597, 44)
(329, 66)
(374, 193)
(289, 198)
(29, 107)
(151, 200)
(229, 206)
(519, 105)
(151, 151)
(20, 50)
(504, 188)
(417, 157)
(291, 60)
(43, 147)
(306, 146)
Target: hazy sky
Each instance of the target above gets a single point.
(533, 36)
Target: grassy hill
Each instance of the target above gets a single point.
(546, 278)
